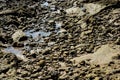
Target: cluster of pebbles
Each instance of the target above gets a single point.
(59, 40)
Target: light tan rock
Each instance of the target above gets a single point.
(103, 55)
(75, 11)
(17, 35)
(93, 8)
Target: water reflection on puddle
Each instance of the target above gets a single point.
(16, 52)
(45, 4)
(13, 50)
(58, 25)
(37, 33)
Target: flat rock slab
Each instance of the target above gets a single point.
(103, 55)
(75, 11)
(94, 8)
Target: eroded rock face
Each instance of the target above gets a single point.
(103, 55)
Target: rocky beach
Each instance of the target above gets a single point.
(59, 39)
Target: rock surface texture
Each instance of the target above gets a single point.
(59, 39)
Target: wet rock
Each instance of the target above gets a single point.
(41, 63)
(83, 24)
(46, 77)
(32, 51)
(62, 66)
(75, 76)
(102, 56)
(98, 78)
(38, 50)
(63, 76)
(3, 40)
(82, 35)
(2, 45)
(90, 49)
(35, 75)
(51, 43)
(54, 75)
(115, 71)
(46, 51)
(11, 72)
(53, 7)
(117, 41)
(4, 68)
(2, 76)
(108, 2)
(18, 35)
(90, 76)
(73, 52)
(24, 73)
(63, 36)
(88, 32)
(17, 44)
(62, 30)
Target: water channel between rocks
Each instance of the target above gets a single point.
(34, 35)
(16, 52)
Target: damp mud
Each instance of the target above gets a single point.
(59, 40)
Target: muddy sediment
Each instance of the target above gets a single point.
(59, 40)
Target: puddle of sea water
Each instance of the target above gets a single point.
(58, 25)
(16, 52)
(37, 33)
(45, 4)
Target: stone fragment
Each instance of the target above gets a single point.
(46, 51)
(19, 34)
(41, 63)
(103, 55)
(75, 11)
(93, 8)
